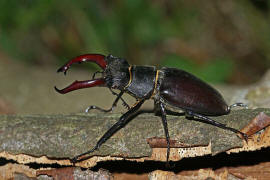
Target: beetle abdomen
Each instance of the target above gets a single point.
(184, 90)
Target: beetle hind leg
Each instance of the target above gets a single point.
(215, 123)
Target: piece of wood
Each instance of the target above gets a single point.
(8, 171)
(57, 138)
(260, 122)
(253, 172)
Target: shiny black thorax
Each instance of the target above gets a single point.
(138, 81)
(142, 81)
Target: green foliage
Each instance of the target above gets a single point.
(34, 30)
(217, 70)
(50, 32)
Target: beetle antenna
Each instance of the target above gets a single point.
(238, 105)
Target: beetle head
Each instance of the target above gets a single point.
(115, 72)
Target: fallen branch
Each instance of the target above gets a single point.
(57, 138)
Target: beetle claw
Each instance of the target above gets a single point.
(80, 85)
(63, 69)
(56, 89)
(97, 58)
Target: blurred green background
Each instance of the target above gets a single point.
(220, 41)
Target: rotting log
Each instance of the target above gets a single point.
(57, 138)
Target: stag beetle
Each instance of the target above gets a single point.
(171, 89)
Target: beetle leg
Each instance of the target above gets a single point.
(215, 123)
(124, 102)
(107, 110)
(165, 126)
(119, 96)
(239, 105)
(124, 119)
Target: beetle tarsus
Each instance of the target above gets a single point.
(126, 105)
(98, 108)
(244, 136)
(238, 105)
(78, 157)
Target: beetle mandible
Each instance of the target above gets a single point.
(171, 89)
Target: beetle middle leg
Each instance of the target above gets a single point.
(215, 123)
(238, 105)
(165, 126)
(124, 119)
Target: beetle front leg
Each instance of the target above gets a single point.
(119, 96)
(165, 126)
(117, 126)
(106, 110)
(123, 101)
(215, 123)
